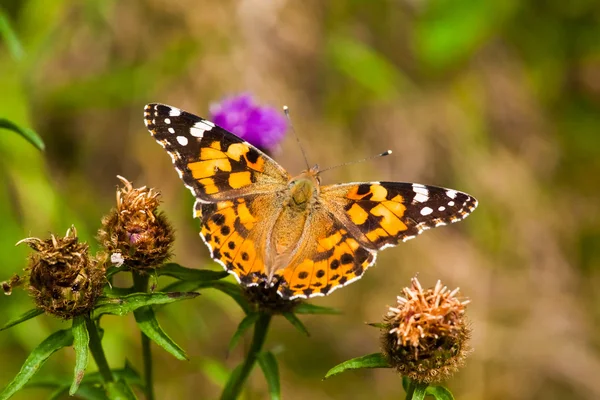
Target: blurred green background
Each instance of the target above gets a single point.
(500, 99)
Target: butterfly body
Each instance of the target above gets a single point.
(266, 227)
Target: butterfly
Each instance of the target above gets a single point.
(267, 227)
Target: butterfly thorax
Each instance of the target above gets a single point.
(303, 189)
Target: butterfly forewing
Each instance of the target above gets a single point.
(214, 163)
(381, 214)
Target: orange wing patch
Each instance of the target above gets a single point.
(339, 259)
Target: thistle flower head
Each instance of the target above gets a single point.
(264, 127)
(426, 334)
(63, 278)
(266, 299)
(134, 233)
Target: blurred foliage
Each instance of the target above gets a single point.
(499, 98)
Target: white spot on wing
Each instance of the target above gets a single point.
(451, 203)
(426, 211)
(182, 140)
(451, 193)
(441, 208)
(167, 121)
(203, 125)
(421, 193)
(174, 112)
(171, 130)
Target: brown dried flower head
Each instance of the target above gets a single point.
(426, 335)
(63, 278)
(135, 232)
(266, 299)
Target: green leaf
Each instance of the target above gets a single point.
(10, 37)
(127, 304)
(232, 290)
(119, 390)
(189, 274)
(22, 318)
(81, 339)
(291, 317)
(268, 364)
(375, 360)
(146, 320)
(36, 359)
(440, 393)
(28, 134)
(246, 323)
(307, 308)
(416, 391)
(379, 325)
(87, 391)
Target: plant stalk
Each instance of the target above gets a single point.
(240, 375)
(97, 351)
(140, 284)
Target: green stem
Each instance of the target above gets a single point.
(140, 284)
(97, 351)
(240, 375)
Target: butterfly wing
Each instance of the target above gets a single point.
(237, 187)
(382, 214)
(212, 162)
(356, 220)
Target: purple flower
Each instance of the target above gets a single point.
(264, 127)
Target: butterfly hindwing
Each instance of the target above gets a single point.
(382, 214)
(214, 163)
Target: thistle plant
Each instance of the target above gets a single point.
(424, 337)
(68, 282)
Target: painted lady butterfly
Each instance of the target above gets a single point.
(265, 226)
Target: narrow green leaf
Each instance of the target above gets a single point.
(28, 134)
(416, 391)
(246, 323)
(119, 390)
(291, 317)
(268, 364)
(22, 318)
(81, 339)
(146, 320)
(127, 304)
(36, 359)
(87, 391)
(379, 325)
(375, 360)
(10, 37)
(440, 393)
(307, 308)
(232, 290)
(189, 274)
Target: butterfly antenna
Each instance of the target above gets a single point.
(286, 111)
(385, 153)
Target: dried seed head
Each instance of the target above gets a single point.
(426, 335)
(63, 278)
(266, 299)
(134, 233)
